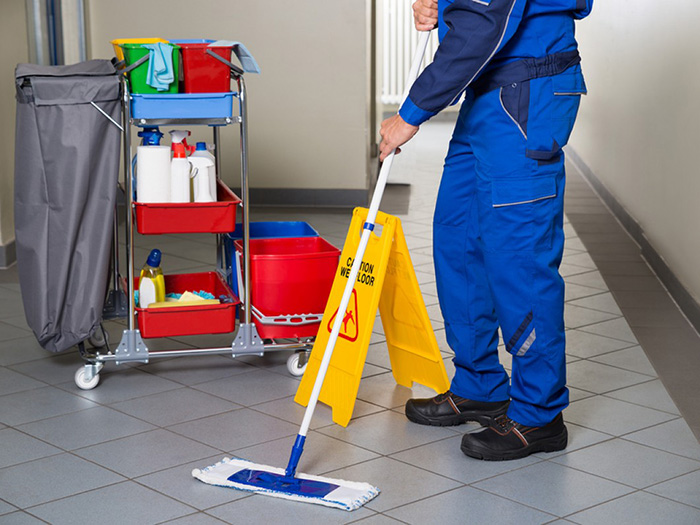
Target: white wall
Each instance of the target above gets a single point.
(638, 129)
(13, 49)
(308, 110)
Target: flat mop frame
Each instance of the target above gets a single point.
(271, 481)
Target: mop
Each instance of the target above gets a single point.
(286, 483)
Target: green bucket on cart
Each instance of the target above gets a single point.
(138, 75)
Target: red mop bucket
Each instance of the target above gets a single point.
(290, 278)
(202, 72)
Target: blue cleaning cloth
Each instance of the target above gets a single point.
(160, 66)
(246, 59)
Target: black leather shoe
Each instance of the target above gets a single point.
(448, 409)
(505, 439)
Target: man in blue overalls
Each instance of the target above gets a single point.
(498, 226)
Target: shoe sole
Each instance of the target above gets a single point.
(483, 418)
(553, 444)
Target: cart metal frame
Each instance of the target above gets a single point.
(132, 348)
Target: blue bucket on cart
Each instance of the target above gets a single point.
(261, 230)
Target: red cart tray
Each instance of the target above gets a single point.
(190, 320)
(189, 217)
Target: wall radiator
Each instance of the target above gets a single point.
(399, 43)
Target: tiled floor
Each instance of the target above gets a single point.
(123, 453)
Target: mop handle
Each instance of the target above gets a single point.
(369, 226)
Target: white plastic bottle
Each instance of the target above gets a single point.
(180, 170)
(202, 150)
(202, 180)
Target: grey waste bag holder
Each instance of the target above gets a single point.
(66, 167)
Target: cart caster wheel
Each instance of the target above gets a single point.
(82, 383)
(97, 340)
(293, 365)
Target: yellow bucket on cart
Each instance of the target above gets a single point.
(119, 53)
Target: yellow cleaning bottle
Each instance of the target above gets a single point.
(151, 282)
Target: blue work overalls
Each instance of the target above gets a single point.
(498, 225)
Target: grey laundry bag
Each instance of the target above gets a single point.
(66, 167)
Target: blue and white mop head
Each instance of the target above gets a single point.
(244, 475)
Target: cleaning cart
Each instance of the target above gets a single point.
(260, 263)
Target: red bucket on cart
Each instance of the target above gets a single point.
(202, 72)
(290, 280)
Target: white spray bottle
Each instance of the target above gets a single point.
(181, 169)
(204, 150)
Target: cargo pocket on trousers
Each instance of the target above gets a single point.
(553, 108)
(518, 216)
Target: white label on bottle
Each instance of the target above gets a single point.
(147, 292)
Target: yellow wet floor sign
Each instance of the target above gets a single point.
(386, 280)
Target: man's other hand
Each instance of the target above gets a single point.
(425, 14)
(395, 132)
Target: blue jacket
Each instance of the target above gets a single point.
(477, 36)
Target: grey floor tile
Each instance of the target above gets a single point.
(251, 388)
(6, 508)
(568, 270)
(467, 505)
(573, 291)
(290, 411)
(267, 509)
(35, 482)
(632, 358)
(577, 316)
(445, 458)
(122, 384)
(197, 369)
(383, 390)
(10, 331)
(19, 518)
(684, 489)
(12, 382)
(40, 403)
(18, 447)
(21, 350)
(175, 406)
(145, 453)
(85, 428)
(387, 433)
(321, 454)
(179, 484)
(10, 303)
(196, 519)
(638, 508)
(52, 369)
(600, 378)
(580, 259)
(604, 302)
(118, 504)
(651, 394)
(559, 490)
(612, 416)
(378, 519)
(674, 436)
(592, 279)
(19, 321)
(398, 482)
(585, 344)
(615, 328)
(235, 430)
(629, 463)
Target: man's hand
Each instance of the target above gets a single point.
(395, 132)
(425, 14)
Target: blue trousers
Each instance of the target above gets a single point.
(498, 243)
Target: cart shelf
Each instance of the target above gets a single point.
(191, 320)
(189, 217)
